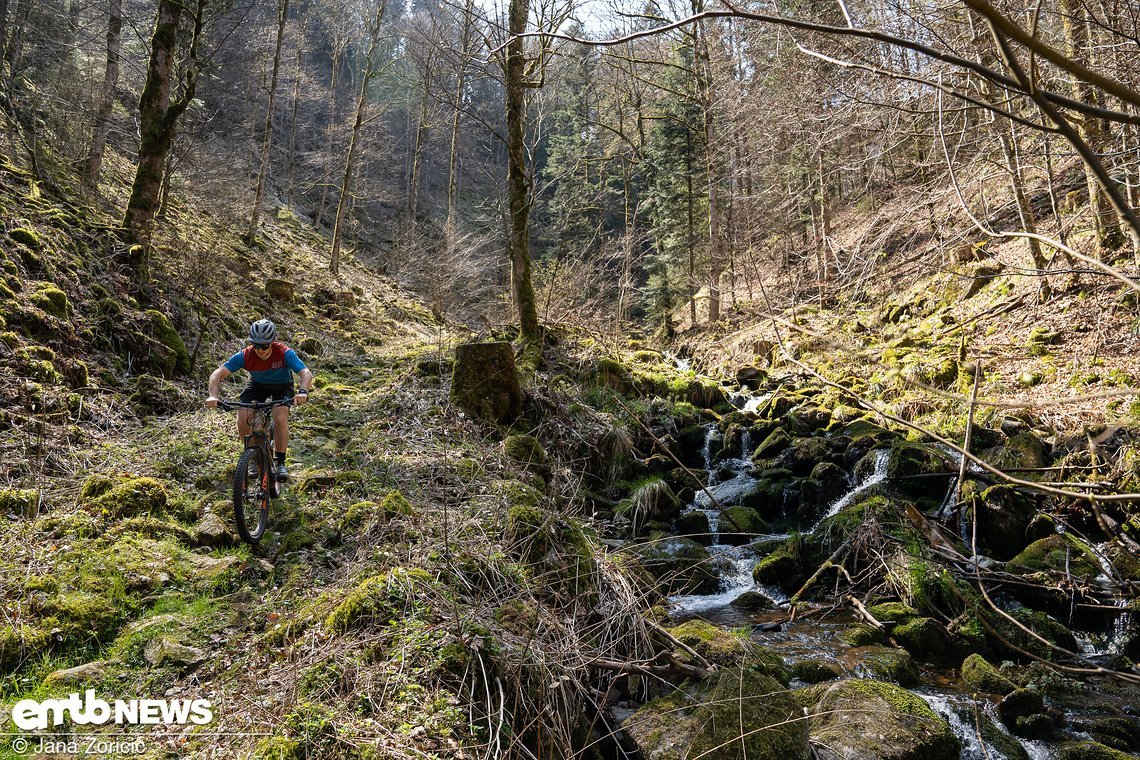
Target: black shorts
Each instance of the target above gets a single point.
(256, 392)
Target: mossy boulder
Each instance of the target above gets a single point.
(752, 601)
(1023, 451)
(133, 497)
(378, 600)
(1091, 751)
(1039, 340)
(737, 712)
(983, 676)
(652, 500)
(21, 502)
(873, 719)
(739, 525)
(158, 395)
(1003, 514)
(280, 290)
(485, 382)
(816, 671)
(528, 452)
(1059, 553)
(913, 467)
(892, 614)
(26, 236)
(779, 569)
(885, 663)
(1043, 625)
(861, 635)
(925, 638)
(48, 297)
(695, 525)
(776, 442)
(681, 565)
(174, 359)
(728, 648)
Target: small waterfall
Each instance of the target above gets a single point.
(706, 451)
(736, 582)
(882, 457)
(959, 711)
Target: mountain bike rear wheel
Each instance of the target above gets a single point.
(251, 495)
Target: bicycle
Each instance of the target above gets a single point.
(255, 480)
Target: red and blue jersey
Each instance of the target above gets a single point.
(276, 369)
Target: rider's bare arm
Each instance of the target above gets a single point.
(215, 387)
(305, 380)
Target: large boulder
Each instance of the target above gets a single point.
(1003, 514)
(485, 382)
(736, 713)
(862, 719)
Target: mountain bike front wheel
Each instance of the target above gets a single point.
(251, 495)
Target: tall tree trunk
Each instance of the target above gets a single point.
(101, 124)
(350, 158)
(1090, 130)
(421, 138)
(3, 31)
(267, 137)
(1024, 208)
(690, 229)
(452, 222)
(322, 206)
(14, 51)
(518, 178)
(707, 89)
(291, 155)
(158, 119)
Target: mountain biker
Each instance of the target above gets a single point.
(271, 365)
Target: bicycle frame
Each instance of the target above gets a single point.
(258, 448)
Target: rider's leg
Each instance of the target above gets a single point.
(281, 429)
(243, 425)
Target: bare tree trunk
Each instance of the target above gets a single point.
(101, 124)
(14, 50)
(518, 177)
(453, 150)
(1076, 40)
(322, 206)
(422, 128)
(690, 236)
(158, 119)
(706, 87)
(291, 155)
(350, 158)
(3, 30)
(267, 137)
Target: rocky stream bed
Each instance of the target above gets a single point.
(833, 592)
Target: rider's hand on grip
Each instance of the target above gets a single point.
(211, 403)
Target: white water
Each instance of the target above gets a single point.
(736, 582)
(958, 711)
(882, 457)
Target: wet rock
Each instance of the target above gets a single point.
(1003, 515)
(725, 649)
(714, 723)
(776, 442)
(1023, 451)
(925, 638)
(861, 635)
(779, 569)
(913, 469)
(695, 525)
(1118, 732)
(682, 565)
(690, 445)
(981, 675)
(752, 601)
(872, 719)
(1090, 751)
(832, 481)
(805, 454)
(1040, 623)
(1023, 711)
(1061, 553)
(751, 377)
(808, 419)
(816, 671)
(886, 663)
(739, 525)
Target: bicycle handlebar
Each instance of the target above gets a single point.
(229, 406)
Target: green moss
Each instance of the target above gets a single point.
(51, 299)
(22, 502)
(779, 569)
(887, 663)
(1062, 553)
(816, 671)
(861, 635)
(177, 360)
(980, 675)
(1090, 751)
(516, 493)
(130, 498)
(27, 237)
(1040, 338)
(892, 613)
(527, 451)
(377, 600)
(20, 644)
(278, 748)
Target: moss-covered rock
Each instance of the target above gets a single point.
(892, 614)
(861, 635)
(680, 564)
(739, 525)
(776, 442)
(173, 358)
(982, 676)
(872, 719)
(695, 525)
(158, 395)
(1060, 553)
(652, 500)
(779, 569)
(133, 497)
(378, 600)
(280, 290)
(1040, 623)
(885, 663)
(1003, 515)
(22, 502)
(736, 713)
(48, 297)
(485, 381)
(1039, 340)
(26, 236)
(925, 638)
(528, 452)
(1090, 751)
(816, 671)
(728, 648)
(910, 468)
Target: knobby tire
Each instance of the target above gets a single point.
(251, 494)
